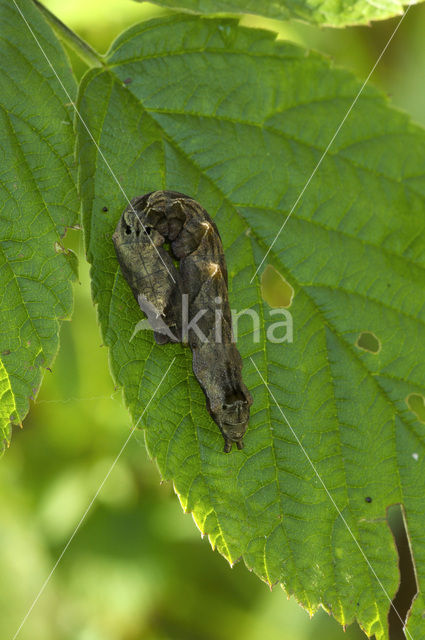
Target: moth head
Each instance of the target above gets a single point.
(232, 417)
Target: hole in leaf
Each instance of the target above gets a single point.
(275, 289)
(368, 342)
(408, 587)
(416, 403)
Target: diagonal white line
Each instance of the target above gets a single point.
(331, 498)
(333, 138)
(91, 135)
(45, 583)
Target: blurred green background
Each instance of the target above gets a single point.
(137, 568)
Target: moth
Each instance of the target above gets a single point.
(197, 289)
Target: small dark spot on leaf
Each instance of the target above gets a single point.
(105, 209)
(367, 341)
(416, 404)
(6, 352)
(128, 80)
(48, 369)
(368, 499)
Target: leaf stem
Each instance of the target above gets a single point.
(80, 46)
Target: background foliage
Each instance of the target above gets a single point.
(325, 12)
(39, 202)
(57, 480)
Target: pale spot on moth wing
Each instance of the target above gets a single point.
(214, 270)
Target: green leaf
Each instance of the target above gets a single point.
(239, 122)
(325, 12)
(38, 202)
(7, 406)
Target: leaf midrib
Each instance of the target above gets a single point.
(302, 143)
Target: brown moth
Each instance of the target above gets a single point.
(150, 273)
(170, 297)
